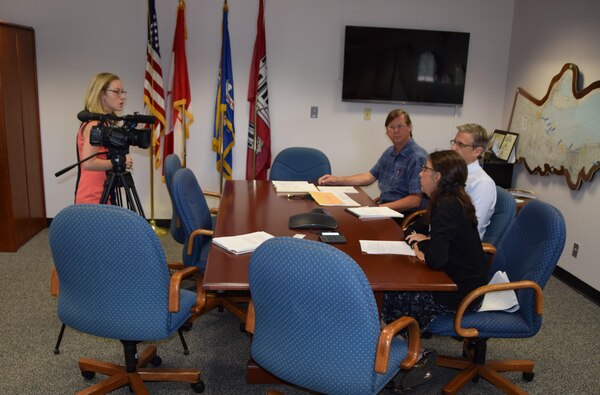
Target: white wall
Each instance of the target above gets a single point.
(546, 35)
(77, 38)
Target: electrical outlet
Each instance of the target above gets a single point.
(314, 112)
(575, 250)
(367, 114)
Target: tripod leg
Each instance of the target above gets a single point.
(109, 186)
(133, 200)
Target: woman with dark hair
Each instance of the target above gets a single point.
(450, 243)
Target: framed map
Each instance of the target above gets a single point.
(560, 133)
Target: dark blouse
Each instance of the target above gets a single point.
(454, 247)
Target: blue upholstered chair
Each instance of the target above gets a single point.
(172, 164)
(315, 320)
(115, 283)
(299, 164)
(198, 227)
(528, 253)
(504, 212)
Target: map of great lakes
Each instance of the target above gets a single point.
(560, 133)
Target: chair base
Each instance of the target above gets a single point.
(119, 376)
(489, 370)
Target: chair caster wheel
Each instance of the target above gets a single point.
(528, 376)
(156, 361)
(198, 387)
(88, 375)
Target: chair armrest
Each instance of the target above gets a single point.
(476, 293)
(212, 194)
(385, 342)
(488, 248)
(250, 318)
(175, 286)
(176, 265)
(54, 282)
(410, 218)
(193, 235)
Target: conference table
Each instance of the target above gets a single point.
(249, 206)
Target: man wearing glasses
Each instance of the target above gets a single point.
(471, 142)
(397, 170)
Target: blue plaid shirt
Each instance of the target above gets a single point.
(398, 174)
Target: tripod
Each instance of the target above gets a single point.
(119, 182)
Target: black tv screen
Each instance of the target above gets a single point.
(404, 65)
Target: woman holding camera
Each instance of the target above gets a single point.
(105, 95)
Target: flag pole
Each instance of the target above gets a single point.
(221, 148)
(184, 132)
(158, 230)
(254, 144)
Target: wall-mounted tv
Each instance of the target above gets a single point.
(404, 65)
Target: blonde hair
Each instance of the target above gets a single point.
(92, 101)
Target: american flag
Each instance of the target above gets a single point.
(154, 96)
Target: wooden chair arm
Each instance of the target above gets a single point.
(212, 194)
(385, 342)
(175, 286)
(213, 210)
(488, 248)
(476, 293)
(176, 265)
(409, 219)
(54, 282)
(250, 318)
(193, 235)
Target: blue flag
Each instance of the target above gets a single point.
(224, 130)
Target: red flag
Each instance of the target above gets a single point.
(179, 96)
(154, 96)
(258, 158)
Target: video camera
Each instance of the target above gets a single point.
(118, 138)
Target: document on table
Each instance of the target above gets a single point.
(293, 186)
(333, 199)
(381, 247)
(242, 244)
(329, 188)
(374, 212)
(500, 300)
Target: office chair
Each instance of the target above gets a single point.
(504, 212)
(528, 253)
(197, 224)
(172, 164)
(299, 164)
(316, 323)
(115, 283)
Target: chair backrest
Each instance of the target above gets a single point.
(112, 273)
(299, 164)
(316, 320)
(194, 213)
(172, 164)
(504, 212)
(530, 250)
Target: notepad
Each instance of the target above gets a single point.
(333, 199)
(500, 300)
(381, 247)
(374, 212)
(242, 244)
(293, 186)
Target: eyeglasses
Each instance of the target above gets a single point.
(117, 92)
(397, 127)
(425, 168)
(460, 145)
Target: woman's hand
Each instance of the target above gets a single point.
(415, 237)
(418, 253)
(128, 161)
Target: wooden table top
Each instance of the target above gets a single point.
(249, 206)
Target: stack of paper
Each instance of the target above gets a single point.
(335, 188)
(374, 212)
(243, 243)
(385, 247)
(294, 187)
(500, 300)
(333, 199)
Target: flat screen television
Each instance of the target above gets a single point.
(404, 65)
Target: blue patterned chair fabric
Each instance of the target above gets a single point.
(528, 253)
(115, 283)
(193, 211)
(316, 320)
(172, 164)
(299, 164)
(504, 212)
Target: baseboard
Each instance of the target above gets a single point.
(584, 289)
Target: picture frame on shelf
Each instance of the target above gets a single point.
(507, 146)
